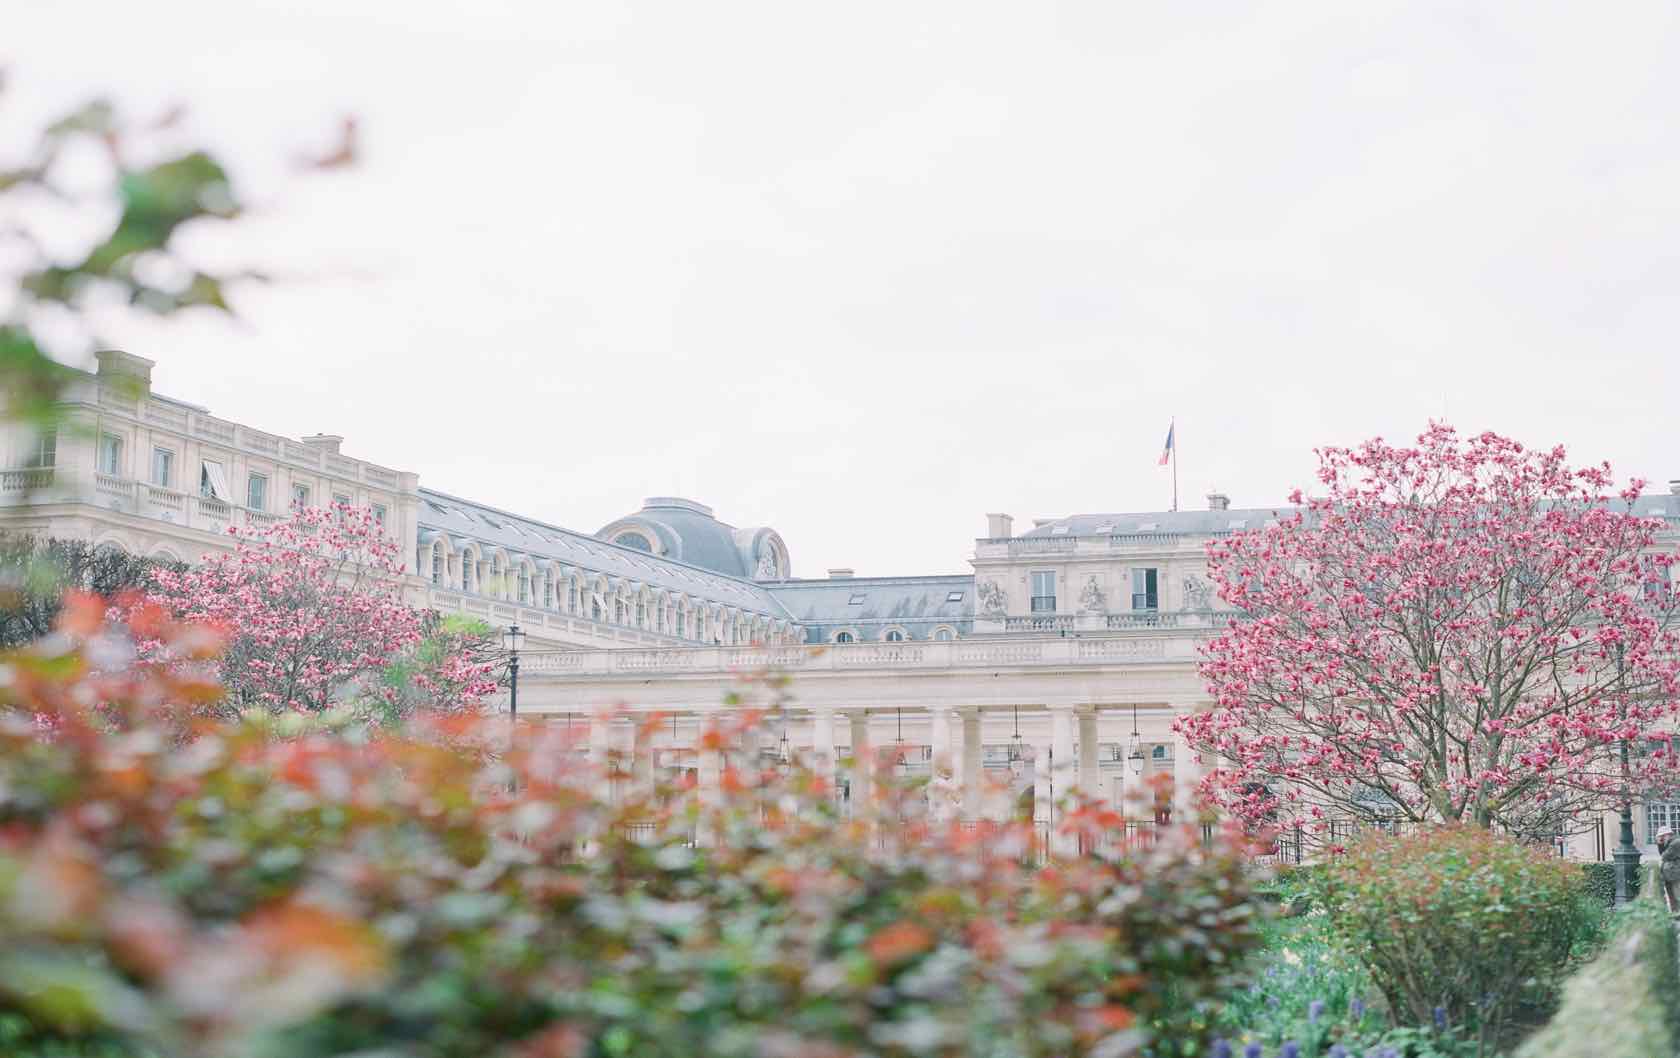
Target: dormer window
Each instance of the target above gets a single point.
(856, 599)
(635, 540)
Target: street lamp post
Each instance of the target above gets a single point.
(513, 638)
(1626, 854)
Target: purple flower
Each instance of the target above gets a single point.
(1441, 1019)
(1315, 1010)
(1338, 1051)
(1221, 1049)
(1356, 1008)
(1390, 1052)
(1290, 1050)
(1251, 1051)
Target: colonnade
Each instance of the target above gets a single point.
(1058, 750)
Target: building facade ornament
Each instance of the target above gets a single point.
(992, 601)
(1091, 598)
(1198, 593)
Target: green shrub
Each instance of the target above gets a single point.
(1625, 1001)
(284, 887)
(1601, 882)
(1460, 924)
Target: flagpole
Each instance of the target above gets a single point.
(1173, 430)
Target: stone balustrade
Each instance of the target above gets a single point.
(920, 656)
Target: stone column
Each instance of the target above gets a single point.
(1043, 808)
(1063, 772)
(863, 778)
(1186, 774)
(822, 743)
(708, 768)
(1090, 776)
(973, 766)
(600, 754)
(940, 790)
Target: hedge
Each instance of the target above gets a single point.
(303, 887)
(1627, 1000)
(1601, 881)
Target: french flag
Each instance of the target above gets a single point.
(1167, 451)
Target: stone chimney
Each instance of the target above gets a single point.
(125, 369)
(842, 573)
(1218, 501)
(326, 442)
(999, 526)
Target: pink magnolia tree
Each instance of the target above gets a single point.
(1459, 630)
(311, 608)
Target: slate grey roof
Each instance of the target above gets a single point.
(465, 520)
(690, 532)
(1185, 522)
(895, 600)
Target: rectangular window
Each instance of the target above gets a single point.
(437, 564)
(548, 592)
(1660, 814)
(212, 481)
(300, 495)
(379, 515)
(571, 596)
(45, 452)
(163, 466)
(110, 454)
(256, 492)
(341, 499)
(524, 588)
(1144, 596)
(682, 624)
(1044, 591)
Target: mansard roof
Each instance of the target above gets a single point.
(898, 599)
(462, 520)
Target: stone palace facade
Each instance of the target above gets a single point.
(1059, 662)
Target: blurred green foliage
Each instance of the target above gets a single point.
(298, 886)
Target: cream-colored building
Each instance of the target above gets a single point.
(1059, 662)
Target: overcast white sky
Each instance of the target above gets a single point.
(866, 271)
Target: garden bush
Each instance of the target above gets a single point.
(1601, 882)
(291, 886)
(1461, 924)
(1625, 1001)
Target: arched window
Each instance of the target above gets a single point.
(844, 637)
(944, 635)
(548, 591)
(571, 596)
(496, 584)
(466, 571)
(682, 616)
(635, 540)
(524, 586)
(437, 563)
(895, 636)
(641, 614)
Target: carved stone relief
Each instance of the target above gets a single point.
(992, 602)
(1091, 597)
(1198, 593)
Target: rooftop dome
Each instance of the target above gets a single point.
(687, 531)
